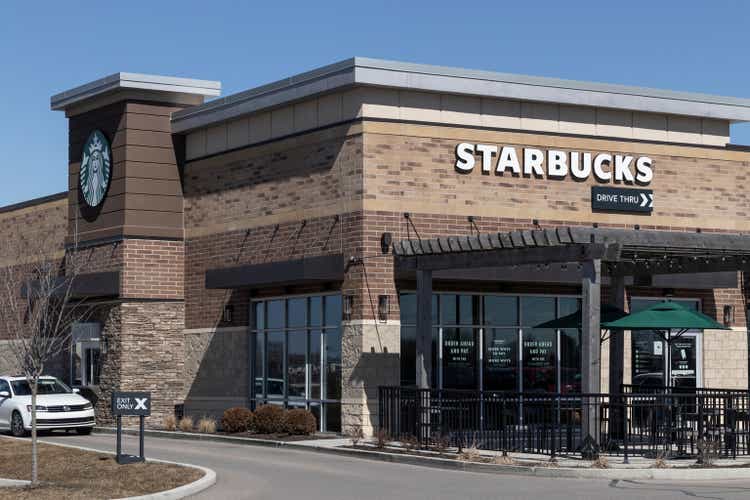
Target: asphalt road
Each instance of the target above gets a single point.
(250, 472)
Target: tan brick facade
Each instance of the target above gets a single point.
(329, 176)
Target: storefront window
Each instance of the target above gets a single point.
(275, 376)
(539, 361)
(570, 347)
(460, 358)
(547, 360)
(500, 359)
(297, 361)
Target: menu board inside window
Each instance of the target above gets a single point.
(648, 353)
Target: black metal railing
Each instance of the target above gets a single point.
(651, 424)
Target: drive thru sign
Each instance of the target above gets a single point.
(130, 404)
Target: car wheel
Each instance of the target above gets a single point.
(83, 431)
(16, 425)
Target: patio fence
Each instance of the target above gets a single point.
(656, 423)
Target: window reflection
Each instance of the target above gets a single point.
(298, 355)
(500, 359)
(501, 321)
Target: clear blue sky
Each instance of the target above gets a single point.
(47, 47)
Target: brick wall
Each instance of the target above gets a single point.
(153, 269)
(287, 200)
(412, 167)
(30, 229)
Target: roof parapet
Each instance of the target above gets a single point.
(162, 88)
(408, 76)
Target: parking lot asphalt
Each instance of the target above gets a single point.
(250, 472)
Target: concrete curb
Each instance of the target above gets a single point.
(186, 490)
(6, 483)
(674, 473)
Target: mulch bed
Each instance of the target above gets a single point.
(279, 437)
(77, 474)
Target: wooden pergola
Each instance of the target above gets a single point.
(617, 253)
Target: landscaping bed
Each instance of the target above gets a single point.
(77, 474)
(268, 422)
(278, 437)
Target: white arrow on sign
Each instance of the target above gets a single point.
(140, 403)
(647, 200)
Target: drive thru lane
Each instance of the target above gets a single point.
(271, 473)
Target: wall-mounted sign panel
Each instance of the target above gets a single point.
(610, 199)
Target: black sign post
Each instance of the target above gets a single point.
(613, 199)
(130, 404)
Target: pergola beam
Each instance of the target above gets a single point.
(510, 257)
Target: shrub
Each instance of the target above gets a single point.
(356, 434)
(381, 438)
(237, 420)
(300, 422)
(169, 423)
(470, 454)
(411, 443)
(270, 419)
(708, 451)
(441, 443)
(207, 425)
(503, 460)
(600, 463)
(186, 424)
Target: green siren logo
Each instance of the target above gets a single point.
(96, 168)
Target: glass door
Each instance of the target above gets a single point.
(652, 355)
(684, 358)
(86, 363)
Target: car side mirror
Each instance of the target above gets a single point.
(76, 390)
(4, 394)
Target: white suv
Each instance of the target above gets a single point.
(57, 406)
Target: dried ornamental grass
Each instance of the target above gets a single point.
(186, 424)
(169, 423)
(503, 460)
(207, 425)
(470, 454)
(600, 463)
(356, 434)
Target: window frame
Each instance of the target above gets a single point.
(313, 333)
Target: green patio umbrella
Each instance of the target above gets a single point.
(663, 318)
(608, 313)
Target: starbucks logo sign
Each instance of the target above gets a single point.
(96, 169)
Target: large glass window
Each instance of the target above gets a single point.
(500, 359)
(489, 342)
(570, 347)
(460, 358)
(297, 361)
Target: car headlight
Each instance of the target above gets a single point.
(38, 408)
(88, 406)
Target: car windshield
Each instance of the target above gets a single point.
(44, 386)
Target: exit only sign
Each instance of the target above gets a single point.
(610, 199)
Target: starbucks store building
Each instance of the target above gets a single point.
(375, 223)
